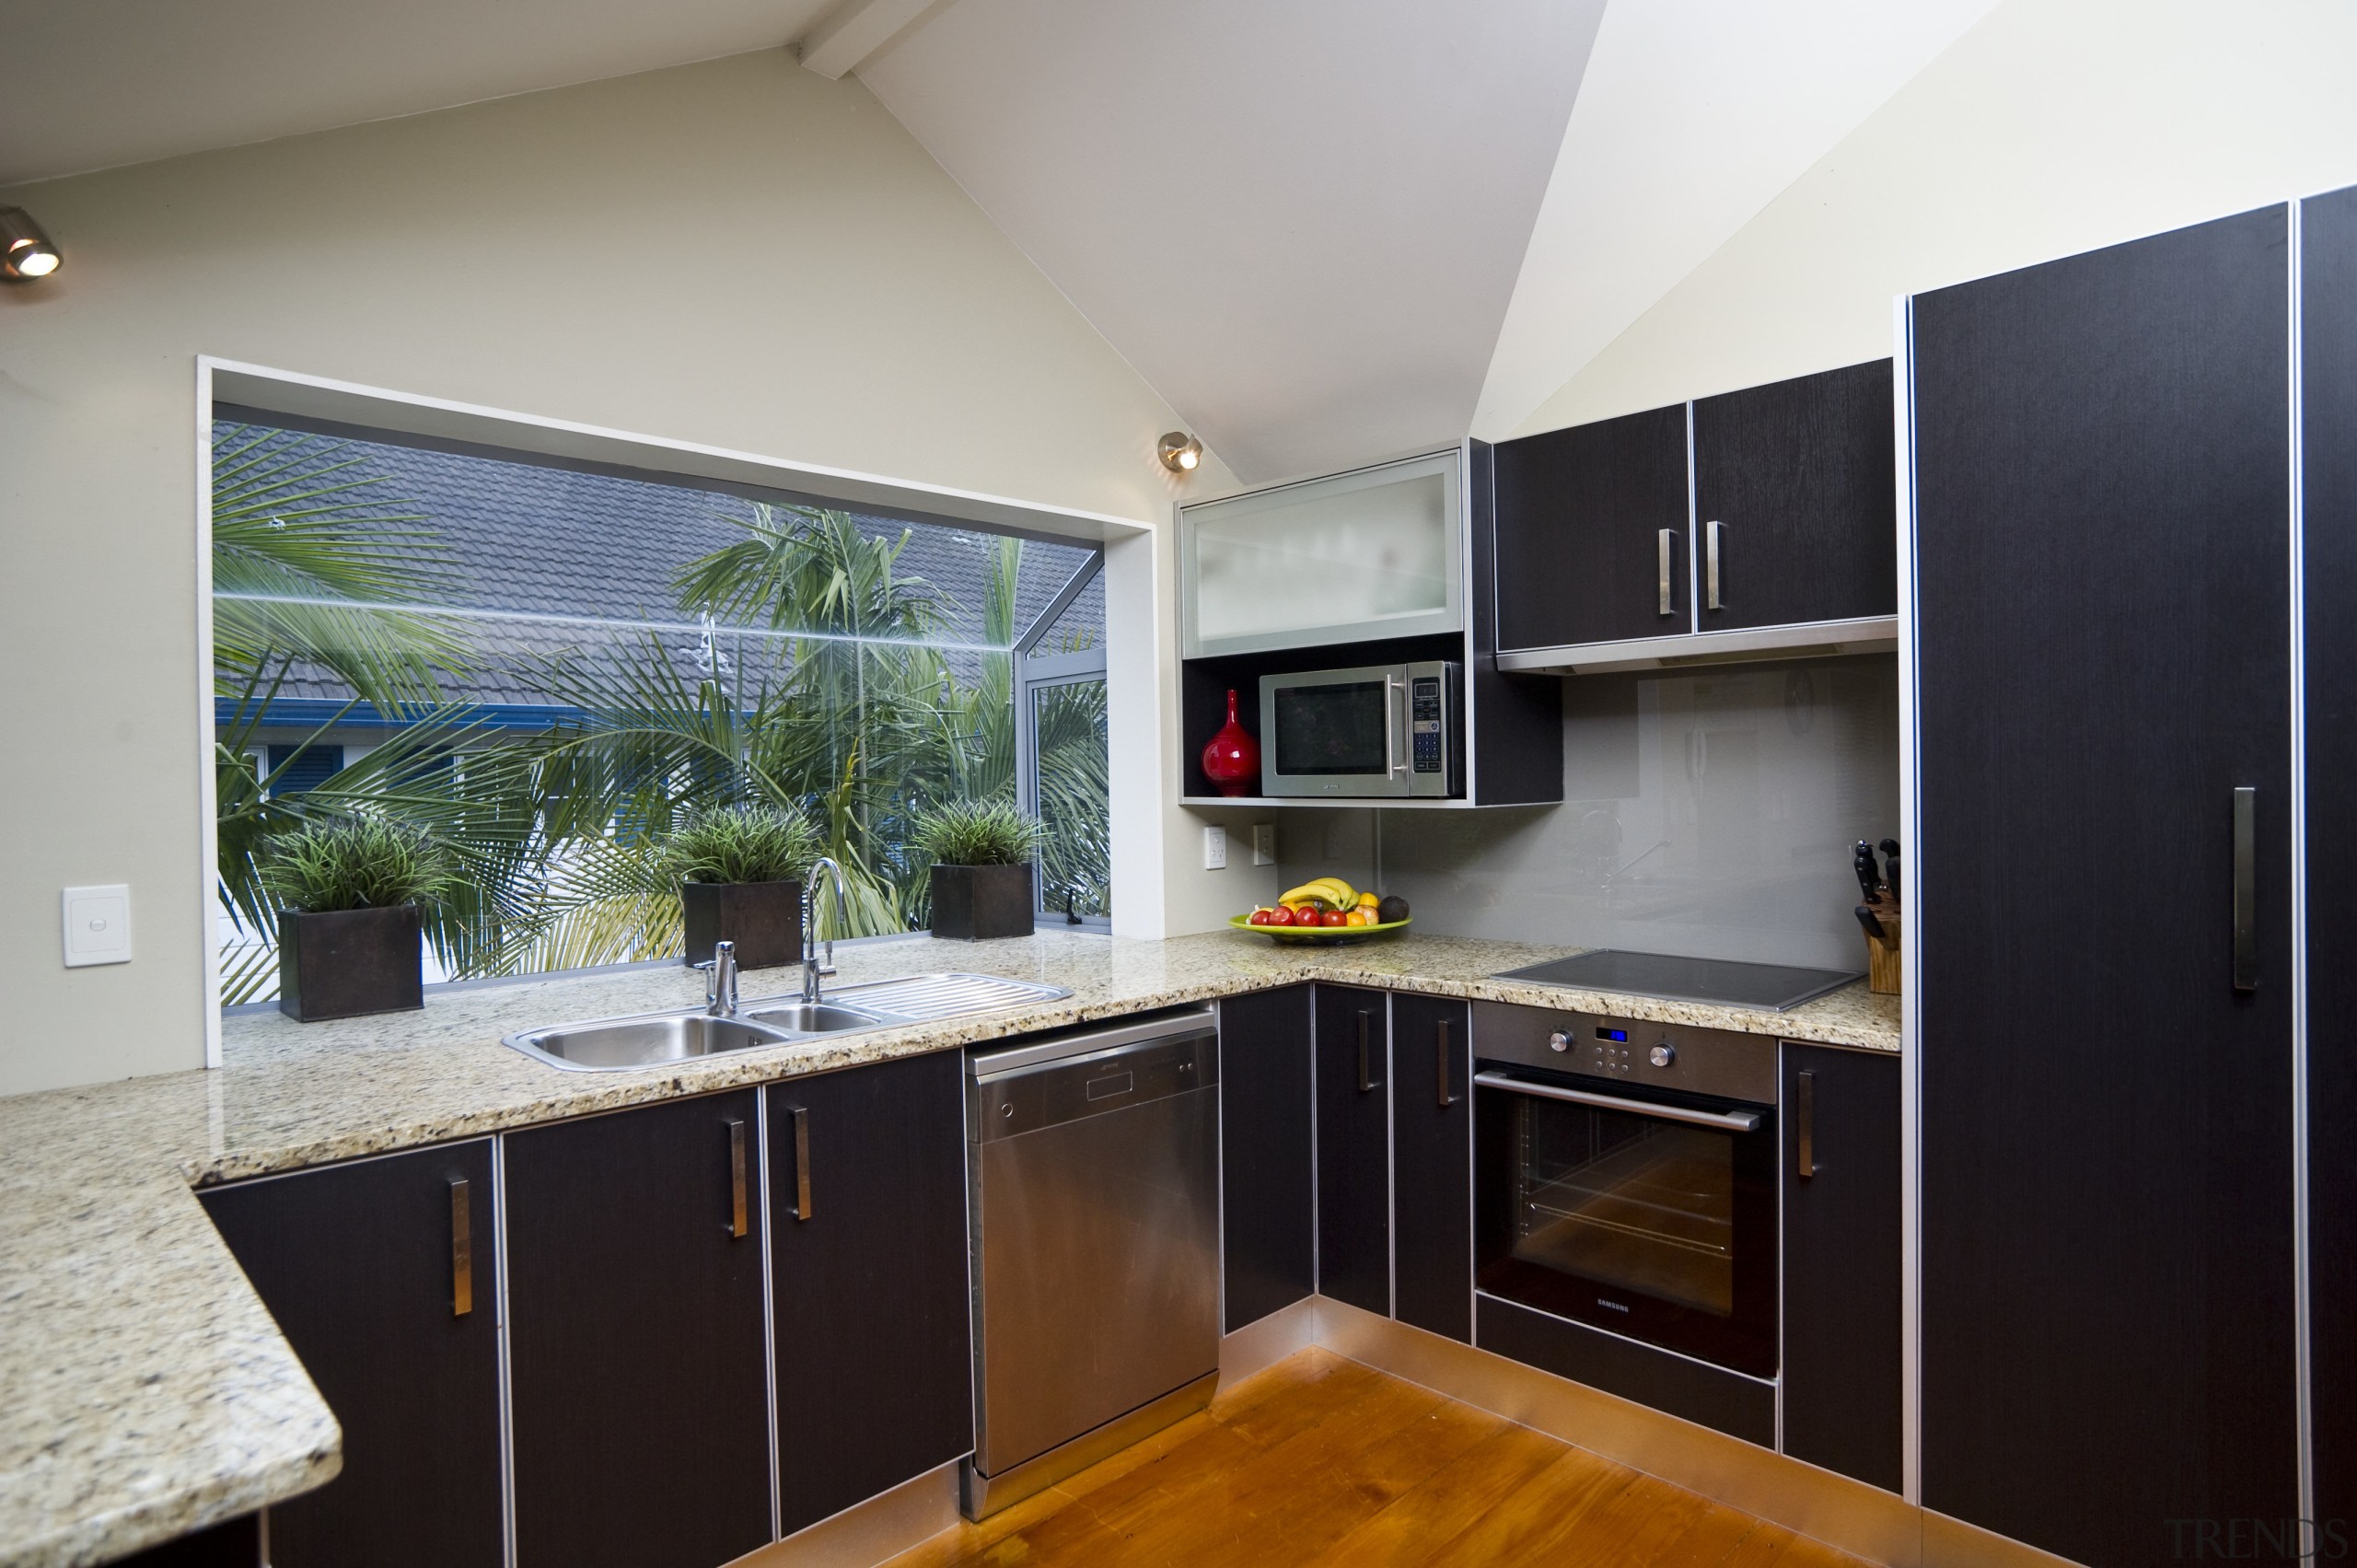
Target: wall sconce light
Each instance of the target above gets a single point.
(25, 250)
(1180, 452)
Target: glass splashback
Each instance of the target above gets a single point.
(1374, 553)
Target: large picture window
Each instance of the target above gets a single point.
(545, 669)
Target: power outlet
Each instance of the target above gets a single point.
(1264, 844)
(1215, 849)
(97, 924)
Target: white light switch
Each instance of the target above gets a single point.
(1264, 844)
(1215, 849)
(98, 925)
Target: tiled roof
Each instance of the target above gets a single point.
(529, 539)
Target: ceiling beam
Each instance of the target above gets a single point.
(839, 41)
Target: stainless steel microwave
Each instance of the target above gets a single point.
(1379, 732)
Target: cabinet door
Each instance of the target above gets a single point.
(1353, 1147)
(638, 1360)
(1585, 515)
(2102, 482)
(1841, 1261)
(1267, 1183)
(874, 1373)
(1795, 502)
(237, 1544)
(2328, 377)
(1431, 1166)
(393, 1308)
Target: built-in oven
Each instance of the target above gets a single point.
(1625, 1178)
(1377, 732)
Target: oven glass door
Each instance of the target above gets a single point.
(1343, 729)
(1616, 1216)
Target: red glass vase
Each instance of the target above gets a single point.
(1232, 760)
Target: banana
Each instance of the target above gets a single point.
(1327, 890)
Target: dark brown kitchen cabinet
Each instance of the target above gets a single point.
(2101, 467)
(1353, 1147)
(2328, 382)
(237, 1544)
(1431, 1166)
(1268, 1185)
(638, 1351)
(874, 1377)
(1593, 544)
(383, 1276)
(1795, 502)
(1842, 1314)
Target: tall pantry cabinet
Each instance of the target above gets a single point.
(2109, 454)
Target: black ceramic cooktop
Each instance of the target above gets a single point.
(1776, 987)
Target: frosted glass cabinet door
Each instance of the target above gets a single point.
(1377, 552)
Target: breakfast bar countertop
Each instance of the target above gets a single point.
(148, 1392)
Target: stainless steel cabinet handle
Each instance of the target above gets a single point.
(1804, 1124)
(1727, 1120)
(1710, 569)
(737, 1178)
(801, 1161)
(2245, 888)
(1663, 559)
(463, 1251)
(1447, 1098)
(1366, 1081)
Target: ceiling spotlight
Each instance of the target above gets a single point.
(25, 250)
(1180, 452)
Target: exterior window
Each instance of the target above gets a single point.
(546, 668)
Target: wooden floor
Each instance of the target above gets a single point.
(1322, 1460)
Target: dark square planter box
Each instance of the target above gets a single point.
(975, 903)
(348, 962)
(764, 919)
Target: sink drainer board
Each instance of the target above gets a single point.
(657, 1040)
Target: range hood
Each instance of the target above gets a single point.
(1816, 639)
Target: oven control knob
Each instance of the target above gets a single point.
(1559, 1040)
(1662, 1056)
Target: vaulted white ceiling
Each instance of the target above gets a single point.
(90, 84)
(1324, 230)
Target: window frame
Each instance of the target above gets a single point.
(1032, 675)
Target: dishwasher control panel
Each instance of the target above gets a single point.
(1048, 1094)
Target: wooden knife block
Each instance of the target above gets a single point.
(1881, 954)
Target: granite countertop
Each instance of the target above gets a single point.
(149, 1394)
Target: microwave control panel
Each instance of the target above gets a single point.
(1424, 724)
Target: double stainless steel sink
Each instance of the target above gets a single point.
(654, 1039)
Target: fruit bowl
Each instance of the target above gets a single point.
(1317, 934)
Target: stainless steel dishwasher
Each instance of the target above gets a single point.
(1093, 1175)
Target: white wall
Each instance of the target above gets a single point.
(2052, 127)
(740, 253)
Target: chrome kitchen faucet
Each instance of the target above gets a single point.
(812, 969)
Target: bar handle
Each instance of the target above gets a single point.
(1664, 584)
(801, 1119)
(1710, 569)
(1366, 1080)
(2245, 888)
(1805, 1124)
(1447, 1096)
(736, 1217)
(1393, 769)
(462, 1251)
(1726, 1121)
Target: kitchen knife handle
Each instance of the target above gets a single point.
(1445, 1097)
(1663, 575)
(1711, 570)
(1804, 1124)
(2245, 888)
(463, 1251)
(737, 1178)
(1366, 1081)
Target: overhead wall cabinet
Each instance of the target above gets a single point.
(1385, 565)
(1753, 524)
(2108, 1318)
